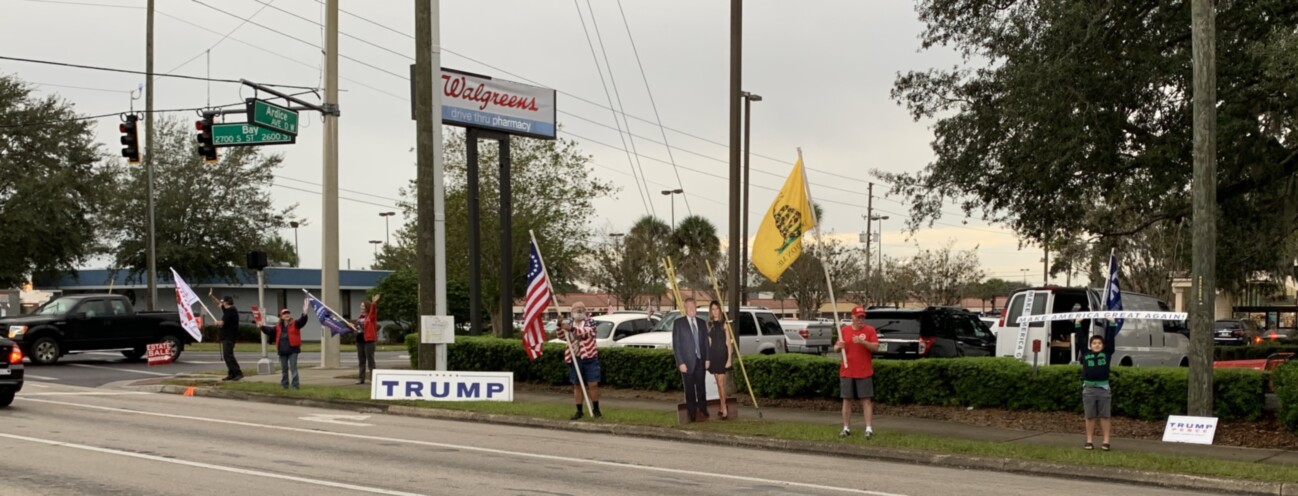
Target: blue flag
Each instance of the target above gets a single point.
(1113, 302)
(327, 317)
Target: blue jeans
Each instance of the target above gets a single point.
(288, 363)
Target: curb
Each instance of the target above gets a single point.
(1025, 467)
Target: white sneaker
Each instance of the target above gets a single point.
(846, 433)
(869, 434)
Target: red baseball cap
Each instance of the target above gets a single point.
(858, 311)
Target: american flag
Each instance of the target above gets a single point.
(538, 298)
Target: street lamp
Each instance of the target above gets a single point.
(296, 254)
(879, 218)
(376, 244)
(672, 193)
(1025, 275)
(749, 98)
(387, 227)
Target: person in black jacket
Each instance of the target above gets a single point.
(1097, 399)
(229, 334)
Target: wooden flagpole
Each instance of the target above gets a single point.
(823, 263)
(572, 349)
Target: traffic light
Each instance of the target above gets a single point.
(206, 148)
(130, 139)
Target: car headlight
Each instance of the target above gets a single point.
(15, 331)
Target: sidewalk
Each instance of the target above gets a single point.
(832, 420)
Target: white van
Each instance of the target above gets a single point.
(1141, 342)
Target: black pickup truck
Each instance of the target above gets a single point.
(92, 322)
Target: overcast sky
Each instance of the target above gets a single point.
(823, 68)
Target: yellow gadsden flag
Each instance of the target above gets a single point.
(779, 240)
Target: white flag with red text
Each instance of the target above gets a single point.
(185, 300)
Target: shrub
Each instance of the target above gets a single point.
(1286, 388)
(1143, 393)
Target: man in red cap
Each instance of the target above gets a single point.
(858, 343)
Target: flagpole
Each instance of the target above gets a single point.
(1104, 303)
(572, 349)
(823, 263)
(731, 334)
(326, 307)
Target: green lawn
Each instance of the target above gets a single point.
(306, 347)
(819, 433)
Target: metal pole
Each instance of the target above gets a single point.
(297, 252)
(387, 230)
(152, 254)
(263, 364)
(869, 216)
(673, 197)
(329, 353)
(1204, 189)
(475, 234)
(736, 66)
(431, 210)
(867, 254)
(506, 245)
(743, 249)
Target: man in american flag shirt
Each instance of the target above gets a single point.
(583, 334)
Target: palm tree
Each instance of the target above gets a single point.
(694, 243)
(651, 239)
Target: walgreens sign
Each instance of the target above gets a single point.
(471, 100)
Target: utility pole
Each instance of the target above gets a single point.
(431, 215)
(152, 255)
(1203, 20)
(736, 66)
(1045, 267)
(329, 353)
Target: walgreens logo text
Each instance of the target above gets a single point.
(459, 88)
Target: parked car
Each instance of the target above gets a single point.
(1141, 342)
(11, 371)
(1236, 332)
(934, 332)
(612, 328)
(991, 323)
(808, 336)
(759, 332)
(93, 322)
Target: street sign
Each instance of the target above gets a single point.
(272, 117)
(245, 134)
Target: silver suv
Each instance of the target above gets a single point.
(759, 332)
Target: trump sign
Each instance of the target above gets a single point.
(442, 386)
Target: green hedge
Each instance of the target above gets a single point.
(1261, 351)
(1286, 387)
(1143, 393)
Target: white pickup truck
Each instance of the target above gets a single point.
(808, 336)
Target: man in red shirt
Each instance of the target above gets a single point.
(859, 342)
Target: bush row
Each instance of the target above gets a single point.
(1142, 393)
(1286, 388)
(1261, 351)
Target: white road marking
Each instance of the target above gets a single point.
(337, 419)
(519, 454)
(208, 362)
(86, 393)
(241, 471)
(39, 377)
(133, 371)
(33, 384)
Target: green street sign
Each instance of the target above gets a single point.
(246, 134)
(271, 116)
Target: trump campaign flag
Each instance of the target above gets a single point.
(327, 316)
(1112, 302)
(185, 300)
(779, 239)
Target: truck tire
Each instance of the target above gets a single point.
(177, 346)
(6, 396)
(46, 351)
(134, 354)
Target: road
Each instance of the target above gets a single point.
(64, 440)
(93, 369)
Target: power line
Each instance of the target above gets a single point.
(304, 190)
(218, 42)
(101, 116)
(89, 4)
(644, 197)
(127, 71)
(105, 90)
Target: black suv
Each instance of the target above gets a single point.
(11, 371)
(937, 332)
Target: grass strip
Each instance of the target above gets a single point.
(796, 431)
